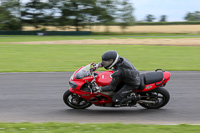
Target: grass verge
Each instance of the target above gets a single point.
(29, 38)
(54, 58)
(95, 128)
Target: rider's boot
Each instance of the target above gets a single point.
(132, 100)
(117, 104)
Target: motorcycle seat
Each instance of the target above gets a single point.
(142, 84)
(149, 78)
(153, 77)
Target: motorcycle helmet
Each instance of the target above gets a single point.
(109, 59)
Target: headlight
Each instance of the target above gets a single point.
(73, 85)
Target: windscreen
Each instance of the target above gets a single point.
(83, 72)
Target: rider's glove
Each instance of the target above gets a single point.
(99, 65)
(95, 67)
(92, 69)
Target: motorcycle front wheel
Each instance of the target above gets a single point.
(74, 101)
(160, 96)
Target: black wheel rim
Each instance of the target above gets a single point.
(157, 97)
(75, 101)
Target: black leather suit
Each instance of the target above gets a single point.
(128, 74)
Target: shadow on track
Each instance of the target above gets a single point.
(113, 111)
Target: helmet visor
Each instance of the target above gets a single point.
(107, 63)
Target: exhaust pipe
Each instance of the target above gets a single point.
(146, 101)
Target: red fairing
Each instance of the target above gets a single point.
(104, 78)
(80, 82)
(88, 96)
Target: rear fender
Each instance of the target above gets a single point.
(167, 76)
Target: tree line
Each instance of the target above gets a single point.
(189, 17)
(74, 13)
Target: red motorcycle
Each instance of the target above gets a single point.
(151, 93)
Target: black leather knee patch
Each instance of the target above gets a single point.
(117, 98)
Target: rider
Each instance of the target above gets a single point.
(123, 71)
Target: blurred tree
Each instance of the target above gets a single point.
(75, 13)
(125, 17)
(8, 15)
(150, 18)
(163, 18)
(33, 13)
(193, 16)
(79, 13)
(14, 6)
(107, 12)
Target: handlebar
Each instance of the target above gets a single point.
(95, 67)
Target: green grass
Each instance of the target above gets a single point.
(19, 38)
(54, 58)
(95, 128)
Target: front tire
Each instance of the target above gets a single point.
(74, 101)
(160, 96)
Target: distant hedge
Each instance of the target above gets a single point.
(44, 33)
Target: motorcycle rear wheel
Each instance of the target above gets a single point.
(160, 96)
(74, 101)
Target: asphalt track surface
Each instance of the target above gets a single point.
(37, 97)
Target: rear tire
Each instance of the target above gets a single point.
(74, 101)
(160, 96)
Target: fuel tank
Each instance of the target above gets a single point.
(104, 78)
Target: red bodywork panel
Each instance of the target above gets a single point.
(88, 96)
(104, 78)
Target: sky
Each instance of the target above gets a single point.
(175, 10)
